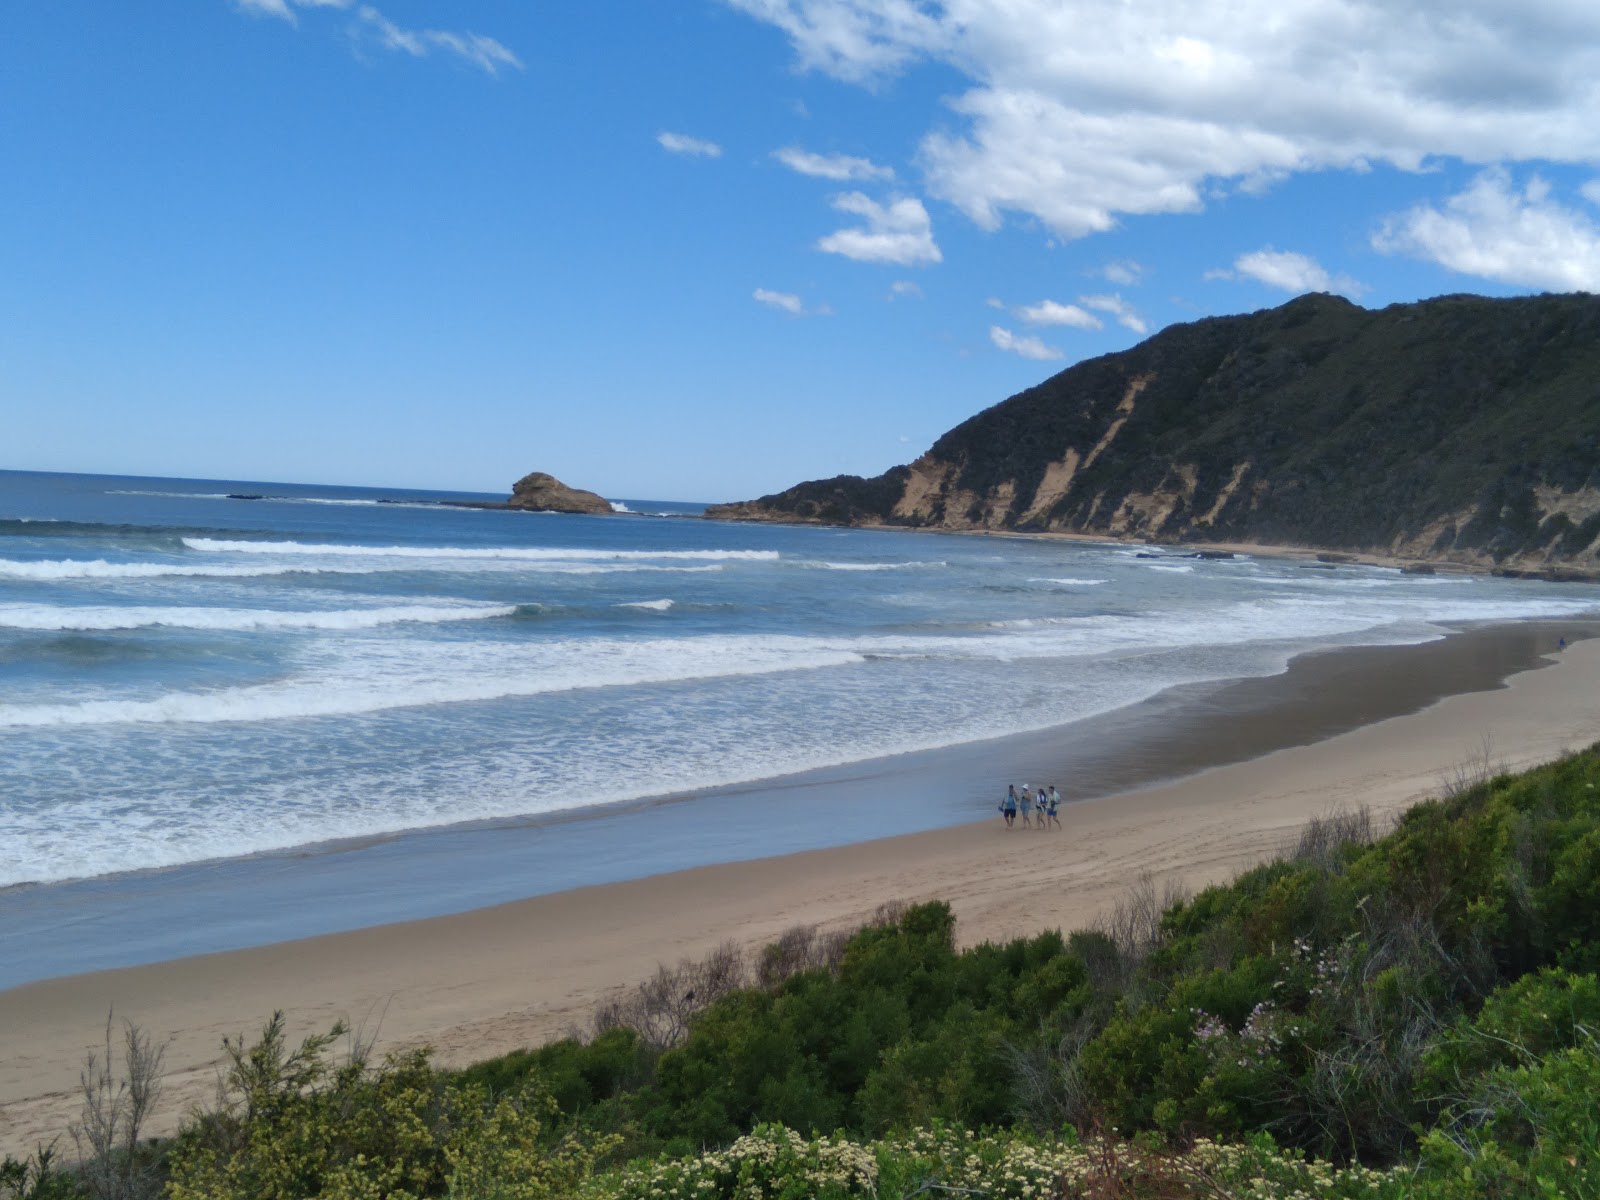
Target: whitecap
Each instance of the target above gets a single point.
(44, 617)
(99, 568)
(528, 553)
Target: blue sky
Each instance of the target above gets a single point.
(703, 249)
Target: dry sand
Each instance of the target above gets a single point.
(481, 983)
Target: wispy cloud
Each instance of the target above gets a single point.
(898, 232)
(790, 303)
(1288, 271)
(1496, 230)
(267, 8)
(1118, 308)
(838, 167)
(682, 143)
(1027, 346)
(485, 53)
(1048, 312)
(904, 287)
(1126, 272)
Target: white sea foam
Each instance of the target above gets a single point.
(67, 569)
(1175, 568)
(394, 673)
(656, 605)
(519, 553)
(618, 506)
(99, 568)
(1069, 581)
(432, 507)
(410, 674)
(847, 566)
(170, 495)
(45, 617)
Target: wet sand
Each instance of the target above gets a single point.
(1360, 727)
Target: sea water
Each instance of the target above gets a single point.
(189, 676)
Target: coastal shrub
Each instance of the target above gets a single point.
(905, 1030)
(296, 1124)
(37, 1177)
(117, 1097)
(773, 1162)
(1519, 1024)
(1525, 1131)
(659, 1009)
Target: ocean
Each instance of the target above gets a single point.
(193, 679)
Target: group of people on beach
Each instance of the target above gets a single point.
(1026, 801)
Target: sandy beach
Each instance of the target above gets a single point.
(487, 981)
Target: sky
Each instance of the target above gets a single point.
(705, 249)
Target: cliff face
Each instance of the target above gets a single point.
(1459, 429)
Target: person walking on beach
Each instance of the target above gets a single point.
(1008, 806)
(1040, 803)
(1055, 806)
(1026, 799)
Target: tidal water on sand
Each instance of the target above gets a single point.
(192, 677)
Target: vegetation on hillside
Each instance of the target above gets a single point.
(1416, 1015)
(1449, 420)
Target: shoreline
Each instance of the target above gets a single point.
(490, 980)
(1325, 557)
(55, 930)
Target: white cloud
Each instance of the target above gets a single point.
(831, 166)
(1118, 308)
(682, 143)
(1495, 230)
(898, 232)
(1591, 191)
(267, 8)
(851, 39)
(1048, 312)
(1079, 114)
(996, 302)
(485, 53)
(790, 303)
(1127, 272)
(284, 9)
(1028, 347)
(786, 301)
(904, 287)
(1289, 271)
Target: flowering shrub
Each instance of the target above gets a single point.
(775, 1163)
(770, 1163)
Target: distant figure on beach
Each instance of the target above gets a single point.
(1008, 806)
(1026, 799)
(1041, 806)
(1562, 644)
(1055, 806)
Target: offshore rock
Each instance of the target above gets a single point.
(545, 493)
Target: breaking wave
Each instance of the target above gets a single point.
(48, 617)
(518, 553)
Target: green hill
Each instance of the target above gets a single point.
(1460, 429)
